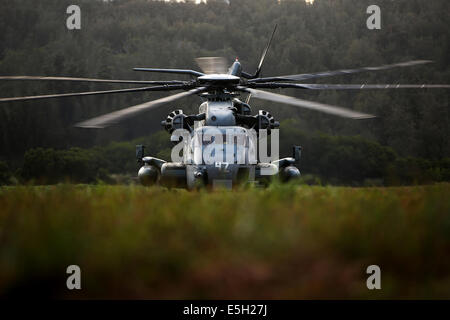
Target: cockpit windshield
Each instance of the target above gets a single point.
(240, 140)
(228, 145)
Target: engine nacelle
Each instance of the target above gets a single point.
(175, 120)
(266, 121)
(148, 175)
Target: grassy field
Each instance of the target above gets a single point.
(281, 242)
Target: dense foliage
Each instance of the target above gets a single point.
(283, 242)
(330, 34)
(325, 159)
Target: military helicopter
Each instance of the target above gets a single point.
(223, 113)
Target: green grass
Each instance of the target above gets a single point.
(281, 242)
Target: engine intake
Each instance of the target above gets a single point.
(175, 120)
(266, 120)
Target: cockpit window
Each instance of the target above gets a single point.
(230, 145)
(236, 139)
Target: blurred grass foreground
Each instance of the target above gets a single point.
(281, 242)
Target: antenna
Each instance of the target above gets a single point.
(264, 54)
(258, 70)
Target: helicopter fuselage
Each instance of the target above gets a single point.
(217, 149)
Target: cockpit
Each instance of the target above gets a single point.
(232, 145)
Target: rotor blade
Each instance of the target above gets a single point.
(180, 71)
(338, 111)
(258, 70)
(116, 116)
(92, 93)
(276, 85)
(247, 100)
(212, 65)
(299, 77)
(87, 80)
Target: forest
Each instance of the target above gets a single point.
(408, 142)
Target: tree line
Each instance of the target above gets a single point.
(115, 36)
(326, 159)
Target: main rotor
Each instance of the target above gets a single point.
(216, 82)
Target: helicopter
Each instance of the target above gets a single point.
(219, 143)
